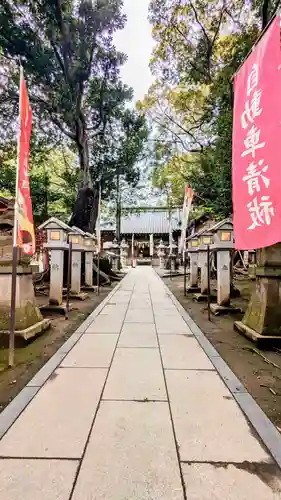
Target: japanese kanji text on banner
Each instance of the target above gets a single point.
(256, 157)
(24, 235)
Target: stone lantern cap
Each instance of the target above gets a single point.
(173, 248)
(124, 245)
(161, 245)
(89, 242)
(223, 235)
(193, 242)
(76, 236)
(205, 237)
(114, 244)
(57, 232)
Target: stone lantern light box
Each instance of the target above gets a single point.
(223, 244)
(223, 235)
(57, 234)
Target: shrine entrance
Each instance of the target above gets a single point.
(142, 250)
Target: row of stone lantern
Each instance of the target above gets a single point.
(219, 239)
(116, 250)
(59, 236)
(161, 252)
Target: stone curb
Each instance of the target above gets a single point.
(255, 415)
(10, 414)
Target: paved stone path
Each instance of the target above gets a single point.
(135, 411)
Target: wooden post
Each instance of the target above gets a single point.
(209, 283)
(68, 279)
(13, 306)
(184, 269)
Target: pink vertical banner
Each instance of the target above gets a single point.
(256, 145)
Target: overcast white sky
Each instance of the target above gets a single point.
(136, 41)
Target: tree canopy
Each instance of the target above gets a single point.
(73, 72)
(200, 44)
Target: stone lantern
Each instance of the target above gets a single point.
(115, 250)
(57, 232)
(173, 255)
(262, 319)
(252, 264)
(28, 318)
(223, 245)
(76, 237)
(161, 254)
(90, 249)
(124, 249)
(192, 250)
(205, 238)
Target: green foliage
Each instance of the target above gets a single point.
(73, 72)
(53, 180)
(199, 46)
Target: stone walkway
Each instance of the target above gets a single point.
(133, 409)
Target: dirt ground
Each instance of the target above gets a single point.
(31, 357)
(262, 380)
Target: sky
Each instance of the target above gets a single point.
(136, 41)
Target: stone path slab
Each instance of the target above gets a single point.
(136, 374)
(183, 353)
(57, 421)
(138, 335)
(137, 405)
(139, 316)
(208, 423)
(137, 456)
(92, 351)
(106, 324)
(232, 482)
(36, 479)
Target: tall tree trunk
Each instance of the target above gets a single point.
(265, 13)
(85, 209)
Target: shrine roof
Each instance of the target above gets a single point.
(148, 222)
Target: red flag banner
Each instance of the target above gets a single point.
(25, 235)
(256, 144)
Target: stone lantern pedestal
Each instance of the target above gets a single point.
(76, 236)
(192, 251)
(223, 246)
(262, 320)
(89, 247)
(115, 258)
(173, 257)
(252, 265)
(161, 254)
(124, 249)
(29, 320)
(57, 244)
(205, 239)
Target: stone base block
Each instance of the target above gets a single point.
(32, 331)
(88, 288)
(173, 274)
(79, 296)
(192, 289)
(216, 309)
(26, 312)
(200, 297)
(260, 340)
(252, 271)
(52, 308)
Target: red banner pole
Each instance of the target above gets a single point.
(11, 359)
